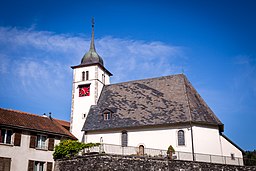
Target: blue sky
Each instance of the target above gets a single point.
(214, 42)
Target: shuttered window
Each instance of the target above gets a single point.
(41, 142)
(32, 143)
(39, 166)
(5, 164)
(6, 136)
(49, 166)
(51, 144)
(30, 165)
(17, 138)
(124, 139)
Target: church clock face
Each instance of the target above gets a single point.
(84, 90)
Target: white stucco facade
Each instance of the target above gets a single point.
(156, 138)
(81, 105)
(208, 143)
(20, 155)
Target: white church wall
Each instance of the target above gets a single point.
(159, 139)
(149, 138)
(20, 155)
(228, 148)
(107, 137)
(209, 145)
(206, 140)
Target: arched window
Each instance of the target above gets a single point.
(181, 137)
(141, 150)
(87, 75)
(124, 139)
(83, 76)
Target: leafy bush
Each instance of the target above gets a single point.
(170, 148)
(69, 148)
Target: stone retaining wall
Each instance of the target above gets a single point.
(100, 162)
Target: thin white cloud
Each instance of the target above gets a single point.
(4, 63)
(130, 59)
(36, 53)
(35, 65)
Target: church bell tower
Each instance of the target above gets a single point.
(89, 77)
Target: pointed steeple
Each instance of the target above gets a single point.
(92, 46)
(92, 57)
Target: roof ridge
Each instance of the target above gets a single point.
(151, 78)
(61, 120)
(21, 112)
(26, 113)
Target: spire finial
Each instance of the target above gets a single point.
(92, 47)
(92, 22)
(91, 57)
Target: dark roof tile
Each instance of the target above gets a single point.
(157, 101)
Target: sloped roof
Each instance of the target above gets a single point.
(63, 123)
(23, 120)
(157, 101)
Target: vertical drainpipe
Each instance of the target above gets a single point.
(192, 141)
(190, 120)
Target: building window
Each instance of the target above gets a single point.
(6, 136)
(41, 142)
(141, 150)
(87, 75)
(39, 166)
(5, 164)
(181, 137)
(107, 116)
(103, 78)
(124, 139)
(83, 115)
(232, 156)
(83, 76)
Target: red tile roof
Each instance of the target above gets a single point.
(33, 122)
(63, 123)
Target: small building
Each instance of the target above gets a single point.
(27, 140)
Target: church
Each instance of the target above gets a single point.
(146, 114)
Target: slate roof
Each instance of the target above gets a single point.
(157, 101)
(27, 121)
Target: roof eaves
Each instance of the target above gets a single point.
(35, 130)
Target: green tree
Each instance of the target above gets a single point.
(250, 158)
(70, 148)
